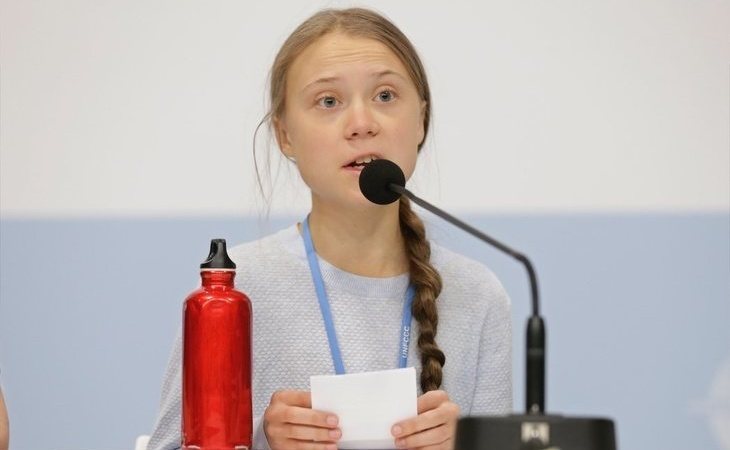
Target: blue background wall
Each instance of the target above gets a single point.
(637, 308)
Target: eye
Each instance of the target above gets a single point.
(386, 95)
(327, 101)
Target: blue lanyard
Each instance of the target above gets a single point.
(324, 306)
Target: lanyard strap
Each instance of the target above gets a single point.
(324, 306)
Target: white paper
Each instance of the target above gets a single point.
(368, 404)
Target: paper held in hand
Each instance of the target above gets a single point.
(368, 404)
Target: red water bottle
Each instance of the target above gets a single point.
(216, 379)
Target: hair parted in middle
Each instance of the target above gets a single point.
(364, 23)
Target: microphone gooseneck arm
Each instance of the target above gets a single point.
(480, 235)
(535, 363)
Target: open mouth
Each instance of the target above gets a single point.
(361, 162)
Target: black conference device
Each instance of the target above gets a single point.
(382, 182)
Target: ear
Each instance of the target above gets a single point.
(282, 137)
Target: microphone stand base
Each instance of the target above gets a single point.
(535, 432)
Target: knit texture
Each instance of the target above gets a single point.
(290, 342)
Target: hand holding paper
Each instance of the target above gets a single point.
(435, 425)
(290, 419)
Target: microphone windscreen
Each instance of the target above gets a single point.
(376, 178)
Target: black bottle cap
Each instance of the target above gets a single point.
(218, 257)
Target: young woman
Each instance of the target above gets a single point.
(347, 87)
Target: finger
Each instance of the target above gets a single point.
(431, 437)
(296, 408)
(431, 400)
(294, 398)
(446, 413)
(307, 433)
(306, 416)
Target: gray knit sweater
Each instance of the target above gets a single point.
(290, 342)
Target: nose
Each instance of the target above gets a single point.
(361, 121)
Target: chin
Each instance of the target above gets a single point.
(352, 200)
(359, 202)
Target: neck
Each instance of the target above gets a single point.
(362, 241)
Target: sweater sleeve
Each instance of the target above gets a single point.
(166, 434)
(493, 390)
(259, 437)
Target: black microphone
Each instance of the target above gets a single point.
(382, 182)
(377, 177)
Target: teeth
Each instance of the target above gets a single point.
(365, 160)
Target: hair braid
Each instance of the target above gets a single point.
(427, 283)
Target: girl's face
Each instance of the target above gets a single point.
(348, 100)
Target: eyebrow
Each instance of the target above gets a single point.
(380, 74)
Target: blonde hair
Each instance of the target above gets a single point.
(359, 22)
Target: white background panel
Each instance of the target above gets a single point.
(148, 108)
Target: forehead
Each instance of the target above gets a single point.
(336, 53)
